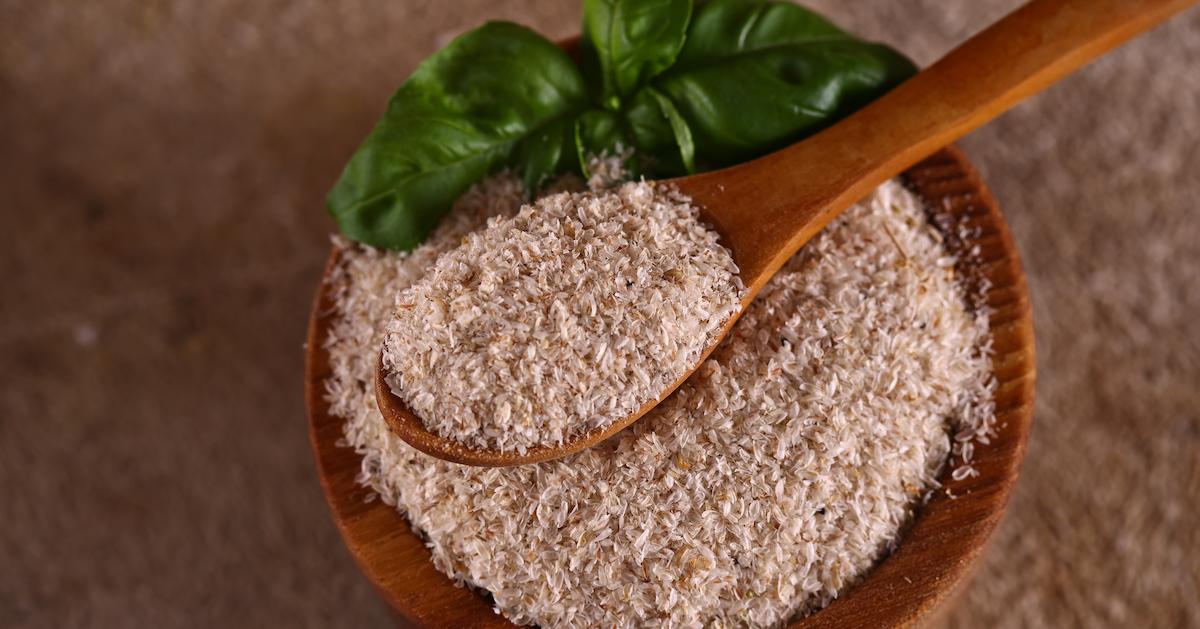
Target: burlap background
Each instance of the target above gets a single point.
(162, 168)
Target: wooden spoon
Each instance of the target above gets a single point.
(766, 209)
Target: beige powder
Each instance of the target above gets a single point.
(768, 483)
(552, 324)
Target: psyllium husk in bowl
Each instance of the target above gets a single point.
(772, 480)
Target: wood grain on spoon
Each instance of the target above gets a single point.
(766, 209)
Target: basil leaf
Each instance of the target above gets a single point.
(456, 119)
(723, 28)
(598, 132)
(549, 150)
(756, 76)
(661, 136)
(627, 42)
(679, 128)
(653, 138)
(737, 79)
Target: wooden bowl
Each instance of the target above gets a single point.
(935, 554)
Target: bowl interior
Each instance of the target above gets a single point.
(935, 554)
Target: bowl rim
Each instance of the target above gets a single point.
(935, 554)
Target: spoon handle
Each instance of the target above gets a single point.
(777, 203)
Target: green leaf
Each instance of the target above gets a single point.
(597, 132)
(756, 76)
(679, 128)
(628, 42)
(737, 79)
(548, 151)
(456, 119)
(724, 28)
(653, 138)
(661, 137)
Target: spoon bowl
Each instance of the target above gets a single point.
(409, 427)
(766, 209)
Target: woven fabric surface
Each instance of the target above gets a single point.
(164, 163)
